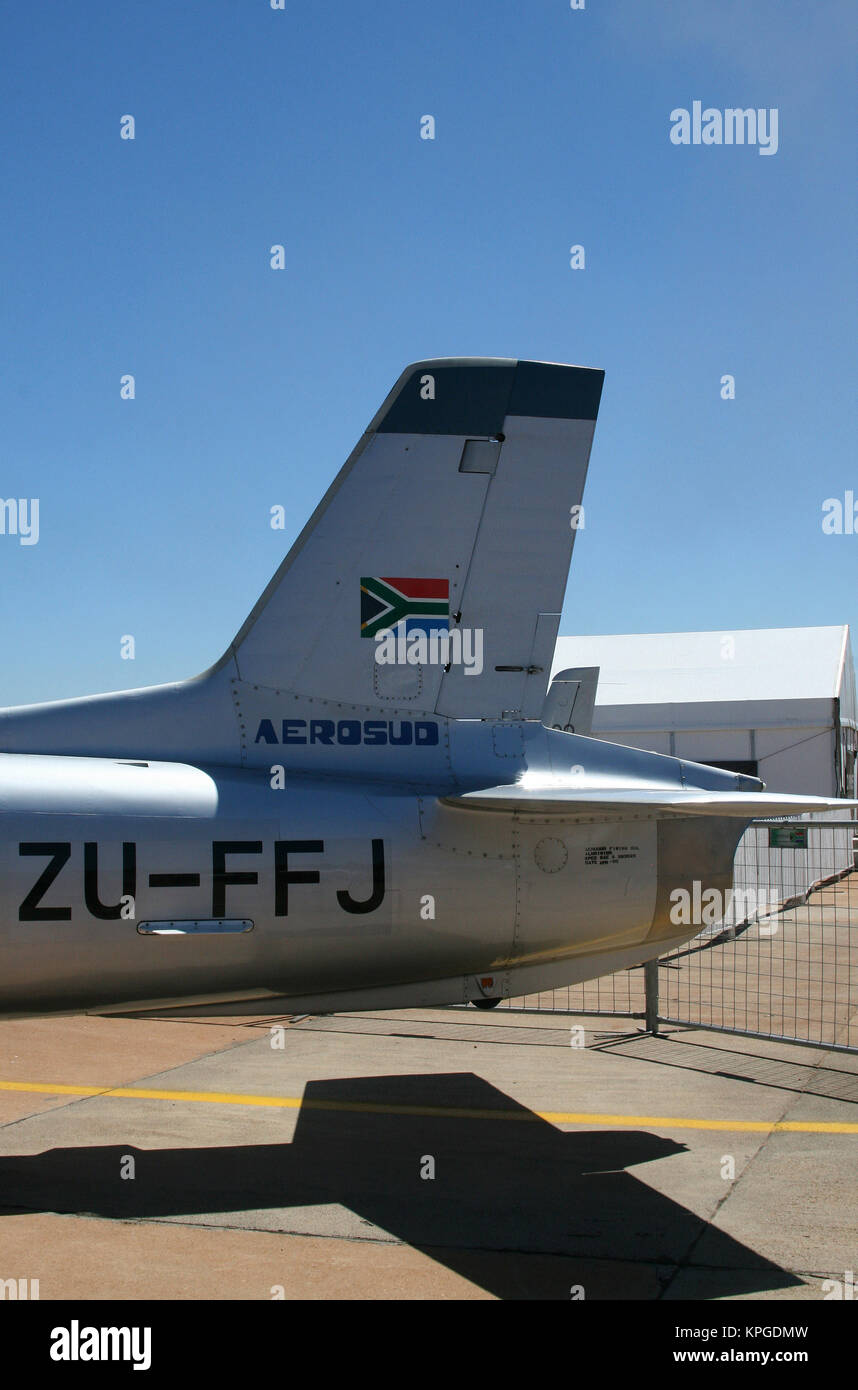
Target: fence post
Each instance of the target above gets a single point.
(651, 991)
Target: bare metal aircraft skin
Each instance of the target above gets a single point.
(358, 806)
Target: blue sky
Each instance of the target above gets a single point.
(301, 127)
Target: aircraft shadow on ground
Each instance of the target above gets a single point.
(516, 1206)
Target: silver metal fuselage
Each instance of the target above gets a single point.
(129, 880)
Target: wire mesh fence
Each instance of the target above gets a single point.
(780, 961)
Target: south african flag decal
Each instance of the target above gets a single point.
(420, 605)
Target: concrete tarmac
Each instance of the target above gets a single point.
(425, 1154)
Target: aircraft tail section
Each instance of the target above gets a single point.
(427, 583)
(446, 537)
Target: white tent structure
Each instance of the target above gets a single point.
(779, 703)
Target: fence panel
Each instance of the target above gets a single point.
(780, 961)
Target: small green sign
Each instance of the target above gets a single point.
(787, 837)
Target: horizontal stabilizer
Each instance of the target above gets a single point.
(649, 804)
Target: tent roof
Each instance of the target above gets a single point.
(789, 663)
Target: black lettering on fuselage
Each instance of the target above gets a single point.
(90, 880)
(378, 733)
(283, 875)
(29, 911)
(222, 877)
(376, 897)
(322, 731)
(59, 853)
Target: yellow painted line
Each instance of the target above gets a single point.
(554, 1117)
(131, 1093)
(680, 1122)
